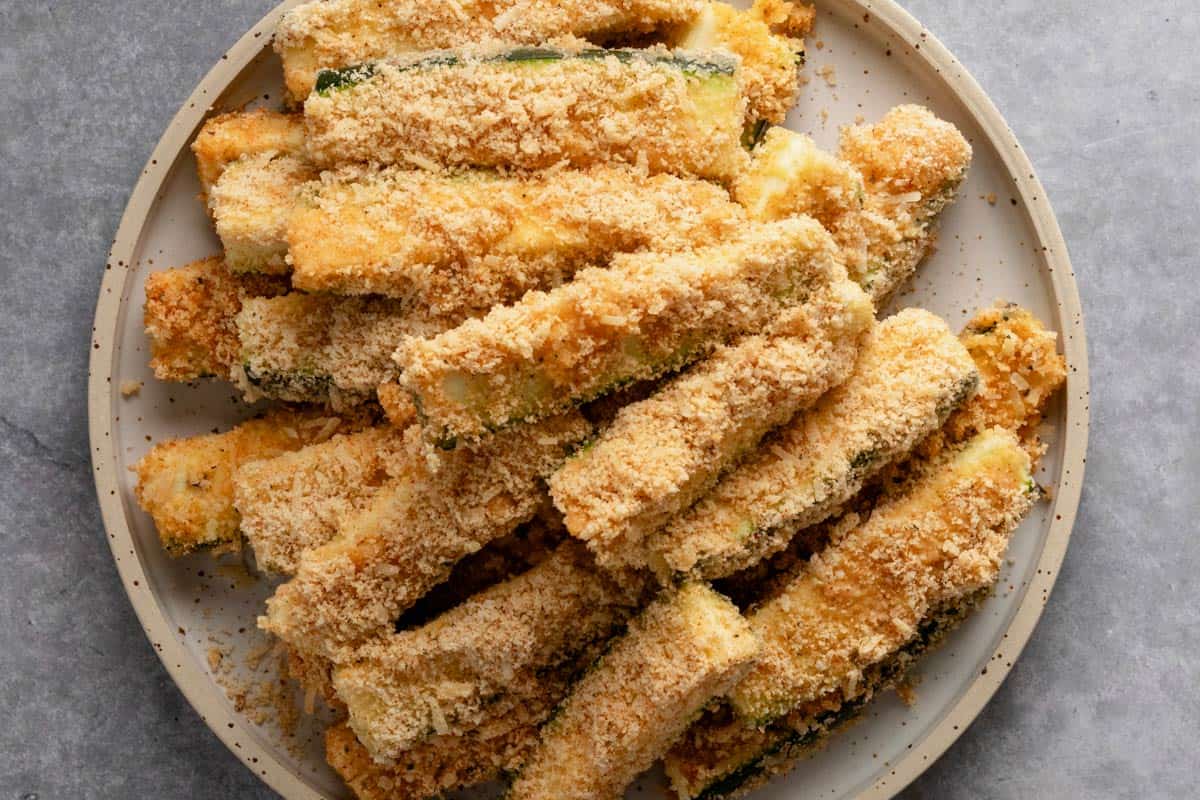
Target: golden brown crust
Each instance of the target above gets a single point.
(579, 111)
(460, 244)
(187, 485)
(338, 33)
(411, 534)
(477, 660)
(662, 454)
(910, 374)
(189, 318)
(250, 205)
(644, 316)
(227, 137)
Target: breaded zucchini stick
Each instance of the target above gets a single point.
(295, 502)
(768, 40)
(646, 315)
(413, 532)
(662, 454)
(534, 108)
(190, 317)
(688, 647)
(477, 660)
(322, 348)
(250, 205)
(880, 198)
(226, 138)
(877, 591)
(186, 485)
(338, 33)
(910, 375)
(460, 244)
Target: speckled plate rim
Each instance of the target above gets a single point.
(236, 732)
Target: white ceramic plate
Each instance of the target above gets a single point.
(1013, 249)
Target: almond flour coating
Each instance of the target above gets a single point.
(645, 316)
(190, 317)
(296, 501)
(339, 33)
(665, 112)
(662, 454)
(227, 137)
(412, 533)
(910, 375)
(462, 243)
(477, 660)
(687, 648)
(186, 485)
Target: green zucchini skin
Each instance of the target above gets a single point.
(329, 80)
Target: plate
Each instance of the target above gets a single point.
(1000, 240)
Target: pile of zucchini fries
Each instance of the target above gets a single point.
(569, 342)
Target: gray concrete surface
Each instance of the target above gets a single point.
(1105, 702)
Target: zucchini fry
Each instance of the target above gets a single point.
(186, 485)
(478, 660)
(190, 317)
(338, 33)
(851, 620)
(534, 108)
(662, 454)
(767, 39)
(910, 375)
(322, 348)
(685, 649)
(295, 501)
(880, 198)
(413, 532)
(460, 244)
(250, 205)
(226, 138)
(645, 316)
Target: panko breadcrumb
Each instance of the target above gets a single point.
(461, 243)
(684, 650)
(186, 485)
(250, 205)
(338, 33)
(665, 112)
(190, 315)
(662, 454)
(295, 502)
(910, 374)
(479, 659)
(412, 533)
(646, 315)
(227, 137)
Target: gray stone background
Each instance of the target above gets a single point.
(1105, 97)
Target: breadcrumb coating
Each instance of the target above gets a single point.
(462, 243)
(338, 33)
(413, 532)
(186, 485)
(646, 315)
(250, 206)
(661, 111)
(688, 647)
(397, 404)
(662, 454)
(767, 39)
(189, 318)
(910, 375)
(864, 596)
(322, 348)
(227, 137)
(296, 501)
(880, 198)
(479, 659)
